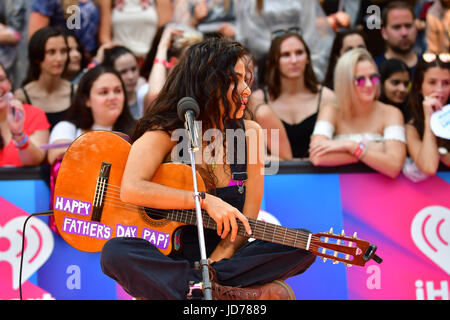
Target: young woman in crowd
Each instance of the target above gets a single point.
(125, 62)
(344, 41)
(292, 99)
(23, 129)
(100, 103)
(44, 86)
(395, 84)
(430, 92)
(359, 127)
(77, 58)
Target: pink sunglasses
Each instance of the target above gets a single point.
(360, 81)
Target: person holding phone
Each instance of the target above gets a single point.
(430, 93)
(23, 129)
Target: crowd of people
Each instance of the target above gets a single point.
(320, 86)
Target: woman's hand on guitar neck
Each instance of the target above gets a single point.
(225, 217)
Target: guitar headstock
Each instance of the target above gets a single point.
(341, 248)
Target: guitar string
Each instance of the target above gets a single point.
(291, 236)
(181, 211)
(312, 246)
(280, 240)
(118, 197)
(287, 240)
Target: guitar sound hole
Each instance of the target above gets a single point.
(156, 214)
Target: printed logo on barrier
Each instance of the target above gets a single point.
(38, 246)
(430, 231)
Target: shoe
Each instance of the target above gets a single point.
(276, 290)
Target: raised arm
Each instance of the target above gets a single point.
(424, 150)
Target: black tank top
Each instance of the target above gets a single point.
(52, 117)
(234, 195)
(299, 134)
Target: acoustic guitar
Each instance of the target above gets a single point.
(88, 210)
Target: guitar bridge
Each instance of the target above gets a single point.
(100, 191)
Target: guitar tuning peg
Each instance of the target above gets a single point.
(335, 262)
(348, 265)
(354, 235)
(324, 259)
(350, 244)
(331, 231)
(342, 233)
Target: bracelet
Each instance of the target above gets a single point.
(334, 23)
(366, 147)
(93, 64)
(22, 144)
(361, 149)
(165, 63)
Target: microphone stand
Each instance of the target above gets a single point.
(198, 210)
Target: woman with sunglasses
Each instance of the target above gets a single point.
(359, 127)
(430, 92)
(291, 101)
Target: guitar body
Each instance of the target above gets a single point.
(87, 206)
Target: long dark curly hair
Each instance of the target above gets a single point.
(205, 73)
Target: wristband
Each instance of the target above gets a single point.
(22, 144)
(361, 149)
(165, 63)
(93, 64)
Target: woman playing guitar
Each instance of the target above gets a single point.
(213, 73)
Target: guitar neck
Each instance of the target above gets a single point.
(261, 230)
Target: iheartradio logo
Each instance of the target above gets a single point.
(37, 249)
(430, 230)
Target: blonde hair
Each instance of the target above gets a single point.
(344, 73)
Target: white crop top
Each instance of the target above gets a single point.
(394, 132)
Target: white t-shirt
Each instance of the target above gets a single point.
(134, 27)
(66, 130)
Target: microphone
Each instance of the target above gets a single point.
(188, 110)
